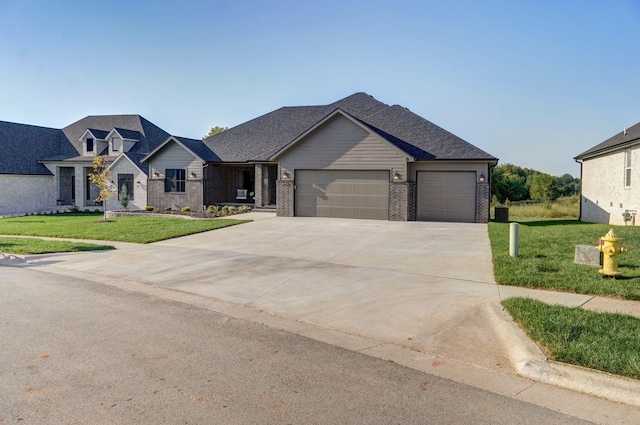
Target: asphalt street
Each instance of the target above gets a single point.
(78, 352)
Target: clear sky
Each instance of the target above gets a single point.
(533, 83)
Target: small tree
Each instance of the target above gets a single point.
(544, 188)
(101, 177)
(215, 130)
(124, 197)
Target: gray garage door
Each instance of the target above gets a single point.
(345, 194)
(446, 196)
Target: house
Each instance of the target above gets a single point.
(47, 169)
(610, 181)
(354, 158)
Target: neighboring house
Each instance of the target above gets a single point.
(46, 169)
(610, 179)
(354, 158)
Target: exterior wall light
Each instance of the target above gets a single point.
(156, 174)
(286, 175)
(192, 175)
(396, 177)
(481, 178)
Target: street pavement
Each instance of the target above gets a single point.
(77, 352)
(421, 294)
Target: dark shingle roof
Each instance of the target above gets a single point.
(99, 134)
(22, 146)
(260, 138)
(199, 148)
(619, 141)
(148, 134)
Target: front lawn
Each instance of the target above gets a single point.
(604, 341)
(39, 246)
(136, 229)
(546, 254)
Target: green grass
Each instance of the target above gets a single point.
(39, 246)
(566, 208)
(603, 341)
(122, 229)
(546, 254)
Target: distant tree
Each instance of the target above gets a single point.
(124, 197)
(544, 188)
(101, 177)
(215, 130)
(568, 185)
(509, 181)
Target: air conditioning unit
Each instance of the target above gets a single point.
(241, 194)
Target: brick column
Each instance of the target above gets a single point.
(258, 197)
(483, 199)
(399, 201)
(285, 198)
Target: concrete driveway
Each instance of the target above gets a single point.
(419, 285)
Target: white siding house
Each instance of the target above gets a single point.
(610, 180)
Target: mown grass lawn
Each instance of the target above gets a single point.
(603, 341)
(135, 229)
(546, 254)
(40, 246)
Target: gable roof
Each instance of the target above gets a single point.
(133, 127)
(194, 146)
(22, 145)
(619, 141)
(261, 138)
(135, 159)
(385, 137)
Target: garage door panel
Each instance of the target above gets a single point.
(342, 193)
(446, 196)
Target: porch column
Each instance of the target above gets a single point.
(285, 195)
(258, 197)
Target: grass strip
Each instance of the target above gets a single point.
(24, 246)
(546, 254)
(137, 229)
(604, 341)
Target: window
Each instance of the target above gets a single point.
(174, 180)
(89, 145)
(116, 144)
(125, 180)
(627, 168)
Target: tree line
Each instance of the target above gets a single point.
(512, 183)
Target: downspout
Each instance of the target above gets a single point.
(580, 213)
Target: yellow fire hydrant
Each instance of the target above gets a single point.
(610, 247)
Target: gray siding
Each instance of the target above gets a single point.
(340, 144)
(174, 156)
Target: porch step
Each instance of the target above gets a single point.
(267, 208)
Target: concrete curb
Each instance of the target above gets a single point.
(529, 361)
(13, 257)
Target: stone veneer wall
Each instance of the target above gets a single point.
(192, 197)
(483, 198)
(399, 201)
(286, 198)
(412, 201)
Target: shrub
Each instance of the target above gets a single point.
(86, 210)
(167, 209)
(186, 208)
(149, 208)
(212, 209)
(244, 209)
(73, 209)
(96, 210)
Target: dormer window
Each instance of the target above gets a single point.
(89, 145)
(116, 144)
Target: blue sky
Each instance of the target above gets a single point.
(532, 83)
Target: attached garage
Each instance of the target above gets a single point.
(342, 193)
(446, 196)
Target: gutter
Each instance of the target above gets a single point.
(579, 161)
